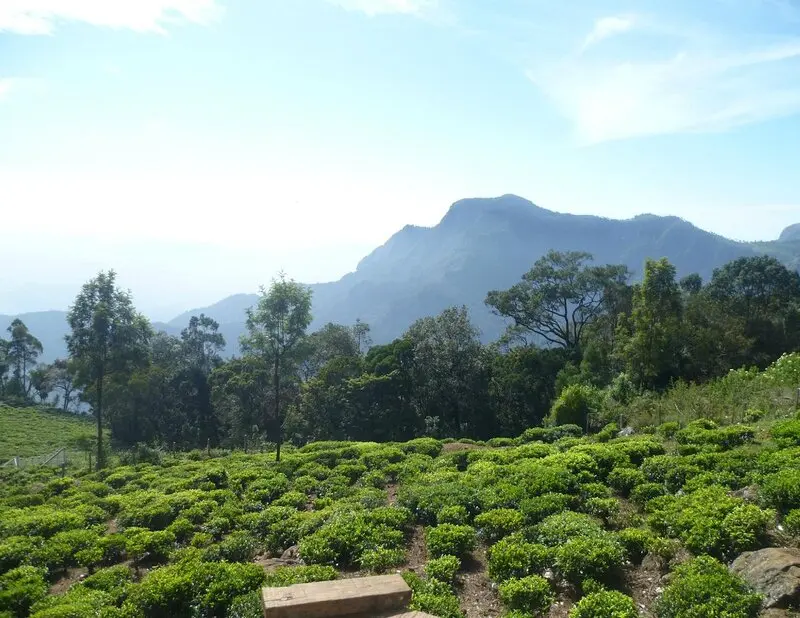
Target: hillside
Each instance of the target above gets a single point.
(480, 244)
(26, 432)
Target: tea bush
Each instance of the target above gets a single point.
(21, 588)
(595, 556)
(782, 490)
(450, 540)
(530, 594)
(705, 587)
(605, 604)
(455, 514)
(514, 557)
(495, 524)
(444, 568)
(432, 596)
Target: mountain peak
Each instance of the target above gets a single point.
(791, 233)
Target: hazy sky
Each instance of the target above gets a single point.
(199, 146)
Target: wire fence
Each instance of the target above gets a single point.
(56, 459)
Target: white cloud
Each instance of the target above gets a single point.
(379, 7)
(9, 85)
(37, 17)
(670, 80)
(607, 27)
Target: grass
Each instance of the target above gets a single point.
(26, 432)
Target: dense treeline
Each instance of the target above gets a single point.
(578, 333)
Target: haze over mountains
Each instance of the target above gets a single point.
(479, 245)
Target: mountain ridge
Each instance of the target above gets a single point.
(479, 244)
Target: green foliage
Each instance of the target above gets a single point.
(595, 556)
(704, 587)
(432, 596)
(443, 568)
(782, 490)
(495, 524)
(625, 480)
(557, 529)
(637, 542)
(605, 604)
(514, 557)
(455, 514)
(538, 508)
(290, 575)
(450, 539)
(710, 521)
(381, 559)
(786, 433)
(21, 588)
(176, 589)
(575, 404)
(529, 594)
(792, 522)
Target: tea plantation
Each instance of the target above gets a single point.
(552, 523)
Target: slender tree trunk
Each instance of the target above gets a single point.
(100, 458)
(278, 407)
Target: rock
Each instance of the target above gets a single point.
(776, 613)
(773, 572)
(626, 431)
(749, 494)
(291, 554)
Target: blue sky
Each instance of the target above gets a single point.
(199, 146)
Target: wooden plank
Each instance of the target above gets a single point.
(341, 597)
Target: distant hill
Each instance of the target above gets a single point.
(479, 245)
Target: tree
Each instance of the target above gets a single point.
(5, 366)
(558, 298)
(62, 377)
(765, 295)
(108, 338)
(41, 382)
(22, 351)
(241, 391)
(202, 343)
(650, 341)
(332, 341)
(450, 374)
(276, 328)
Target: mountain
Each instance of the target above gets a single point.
(481, 244)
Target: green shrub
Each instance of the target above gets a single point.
(670, 470)
(113, 580)
(427, 497)
(450, 540)
(593, 557)
(290, 575)
(495, 524)
(574, 404)
(636, 542)
(246, 606)
(560, 528)
(786, 433)
(625, 479)
(792, 522)
(642, 494)
(238, 546)
(177, 589)
(513, 557)
(424, 446)
(20, 588)
(530, 594)
(432, 596)
(17, 550)
(782, 490)
(605, 604)
(538, 508)
(444, 568)
(381, 559)
(295, 499)
(704, 587)
(745, 528)
(604, 508)
(455, 514)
